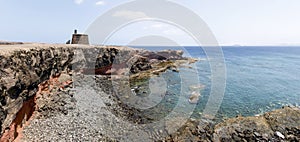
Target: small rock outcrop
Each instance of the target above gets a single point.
(278, 125)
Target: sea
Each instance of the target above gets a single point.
(257, 80)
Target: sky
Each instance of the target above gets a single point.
(232, 22)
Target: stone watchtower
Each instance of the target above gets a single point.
(80, 38)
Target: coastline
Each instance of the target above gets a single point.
(270, 126)
(61, 104)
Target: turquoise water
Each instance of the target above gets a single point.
(259, 79)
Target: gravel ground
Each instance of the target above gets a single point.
(88, 119)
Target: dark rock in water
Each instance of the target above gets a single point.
(194, 98)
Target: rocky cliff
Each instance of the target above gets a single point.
(34, 77)
(22, 69)
(25, 67)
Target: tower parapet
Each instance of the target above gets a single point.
(80, 38)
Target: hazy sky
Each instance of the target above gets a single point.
(251, 22)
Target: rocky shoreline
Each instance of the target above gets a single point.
(81, 121)
(78, 116)
(77, 93)
(275, 126)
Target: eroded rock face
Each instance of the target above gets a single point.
(139, 63)
(164, 55)
(54, 96)
(22, 71)
(25, 66)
